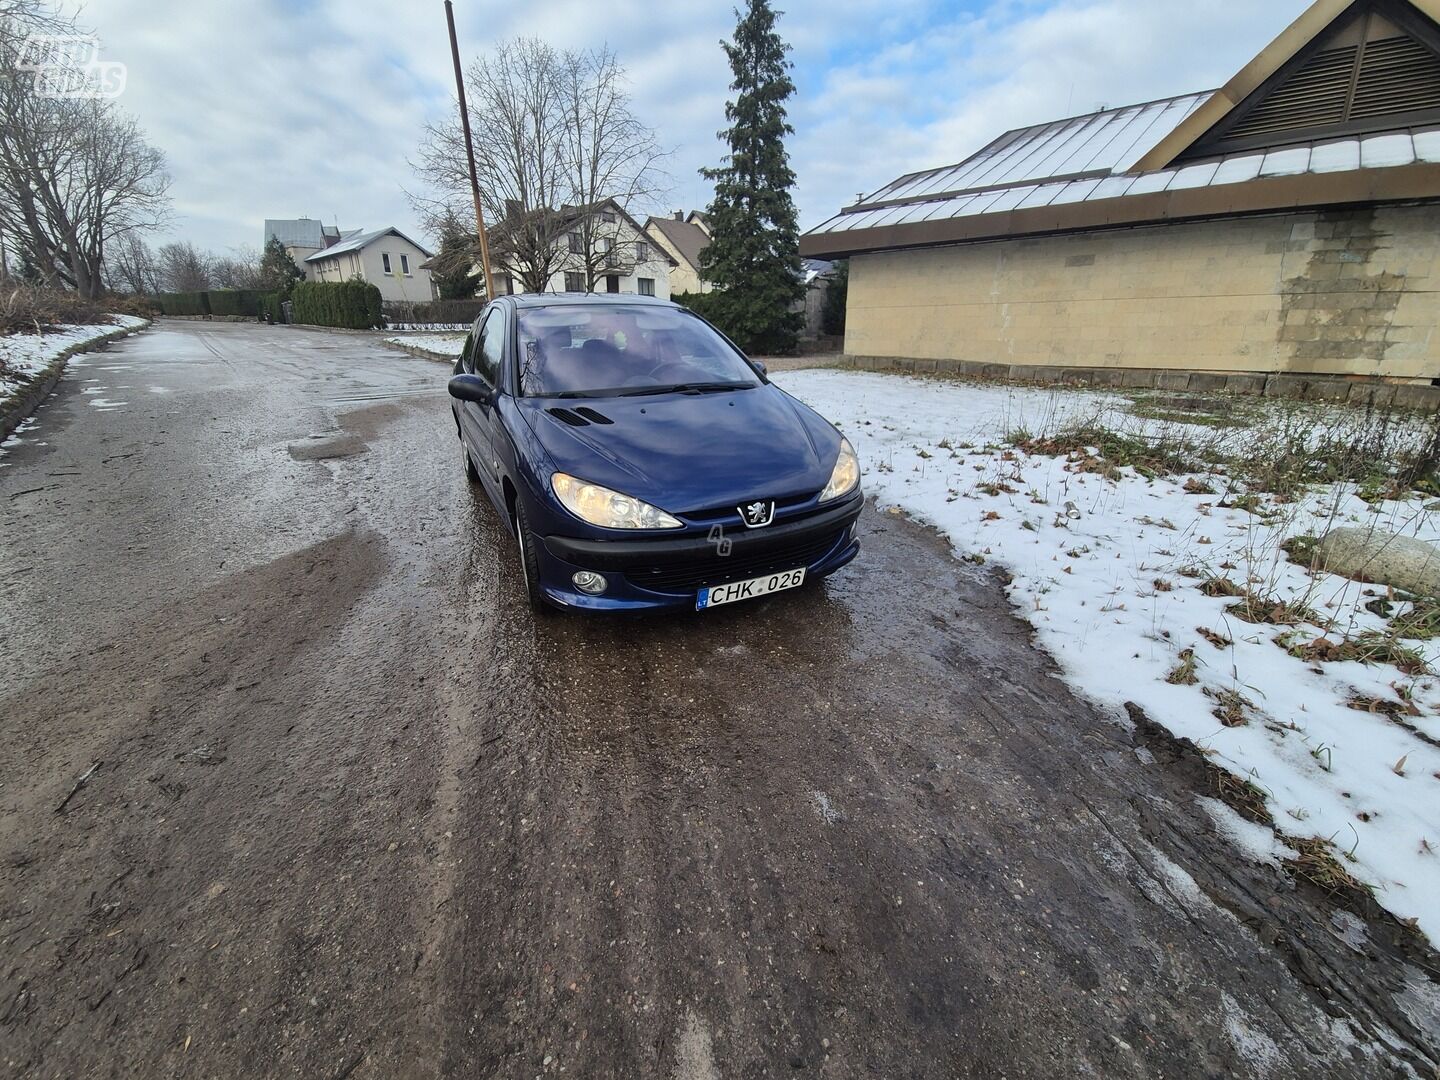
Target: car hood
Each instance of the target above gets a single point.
(689, 452)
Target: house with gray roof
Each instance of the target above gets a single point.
(386, 258)
(683, 237)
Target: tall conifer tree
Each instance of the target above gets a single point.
(754, 252)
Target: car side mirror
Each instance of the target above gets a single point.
(471, 388)
(760, 366)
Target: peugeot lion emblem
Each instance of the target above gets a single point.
(756, 514)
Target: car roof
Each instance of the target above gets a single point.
(537, 300)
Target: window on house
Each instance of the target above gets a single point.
(574, 282)
(405, 264)
(608, 217)
(647, 286)
(385, 260)
(642, 251)
(577, 244)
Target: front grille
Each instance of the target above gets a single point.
(717, 570)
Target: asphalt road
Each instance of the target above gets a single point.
(351, 811)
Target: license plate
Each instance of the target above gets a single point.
(746, 590)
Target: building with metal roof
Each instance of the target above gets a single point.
(1241, 230)
(301, 237)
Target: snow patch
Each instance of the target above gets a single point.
(1107, 570)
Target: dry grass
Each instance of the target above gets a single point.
(1240, 795)
(1254, 608)
(1183, 673)
(1220, 641)
(1315, 862)
(1220, 586)
(1232, 708)
(28, 310)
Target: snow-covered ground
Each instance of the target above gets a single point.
(440, 344)
(24, 356)
(1109, 571)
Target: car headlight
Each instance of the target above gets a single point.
(608, 509)
(846, 474)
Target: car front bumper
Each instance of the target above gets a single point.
(668, 571)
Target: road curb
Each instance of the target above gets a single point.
(18, 408)
(423, 354)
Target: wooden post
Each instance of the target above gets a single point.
(470, 155)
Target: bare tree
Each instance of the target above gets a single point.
(238, 270)
(183, 268)
(130, 265)
(612, 156)
(76, 173)
(555, 138)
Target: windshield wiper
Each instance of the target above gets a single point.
(686, 388)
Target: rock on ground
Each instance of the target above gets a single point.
(1382, 557)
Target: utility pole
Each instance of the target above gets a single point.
(470, 155)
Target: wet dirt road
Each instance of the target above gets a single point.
(355, 813)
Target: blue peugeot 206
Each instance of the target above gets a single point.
(642, 460)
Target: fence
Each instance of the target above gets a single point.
(431, 314)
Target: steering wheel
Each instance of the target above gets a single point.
(682, 369)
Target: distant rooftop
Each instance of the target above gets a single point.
(298, 232)
(688, 238)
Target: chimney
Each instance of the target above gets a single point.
(679, 215)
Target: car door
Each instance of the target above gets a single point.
(477, 421)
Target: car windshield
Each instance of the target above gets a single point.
(607, 350)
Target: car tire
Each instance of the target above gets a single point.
(530, 563)
(471, 473)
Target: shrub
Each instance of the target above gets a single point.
(703, 304)
(27, 309)
(271, 306)
(352, 304)
(146, 307)
(184, 303)
(234, 301)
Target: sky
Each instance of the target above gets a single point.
(315, 107)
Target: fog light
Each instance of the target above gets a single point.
(587, 581)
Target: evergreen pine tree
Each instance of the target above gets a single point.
(753, 256)
(278, 272)
(454, 270)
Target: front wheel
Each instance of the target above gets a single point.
(471, 473)
(530, 563)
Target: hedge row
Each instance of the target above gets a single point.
(270, 306)
(214, 302)
(353, 304)
(235, 301)
(184, 303)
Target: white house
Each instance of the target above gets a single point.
(386, 258)
(603, 249)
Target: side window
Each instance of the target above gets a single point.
(467, 357)
(492, 348)
(385, 260)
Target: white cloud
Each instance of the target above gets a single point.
(279, 109)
